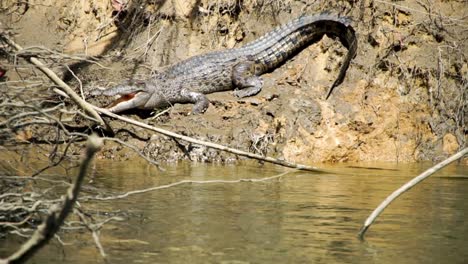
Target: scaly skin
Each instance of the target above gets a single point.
(189, 80)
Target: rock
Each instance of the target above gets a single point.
(450, 144)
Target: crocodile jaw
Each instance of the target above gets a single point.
(129, 101)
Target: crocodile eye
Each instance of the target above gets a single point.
(258, 68)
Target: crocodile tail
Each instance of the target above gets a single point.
(332, 25)
(275, 47)
(345, 32)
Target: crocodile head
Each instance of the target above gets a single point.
(133, 94)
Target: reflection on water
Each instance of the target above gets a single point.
(300, 218)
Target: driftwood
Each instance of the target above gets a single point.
(405, 188)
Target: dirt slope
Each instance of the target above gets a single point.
(403, 99)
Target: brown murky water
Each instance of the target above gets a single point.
(299, 218)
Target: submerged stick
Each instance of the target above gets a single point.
(57, 214)
(405, 188)
(170, 185)
(65, 88)
(212, 145)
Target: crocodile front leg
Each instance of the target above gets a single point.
(245, 77)
(199, 100)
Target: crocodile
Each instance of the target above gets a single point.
(189, 81)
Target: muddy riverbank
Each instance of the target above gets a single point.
(403, 99)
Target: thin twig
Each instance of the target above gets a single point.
(132, 147)
(78, 79)
(459, 20)
(94, 231)
(33, 51)
(405, 188)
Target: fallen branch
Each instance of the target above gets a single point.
(52, 76)
(210, 144)
(405, 188)
(57, 215)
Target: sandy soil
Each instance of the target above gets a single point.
(403, 99)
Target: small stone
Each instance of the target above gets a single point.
(254, 101)
(271, 96)
(450, 144)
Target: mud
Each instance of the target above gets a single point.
(403, 99)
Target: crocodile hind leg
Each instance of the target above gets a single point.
(199, 100)
(245, 77)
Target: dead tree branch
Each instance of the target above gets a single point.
(69, 91)
(406, 187)
(57, 215)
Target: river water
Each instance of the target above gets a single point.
(300, 217)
